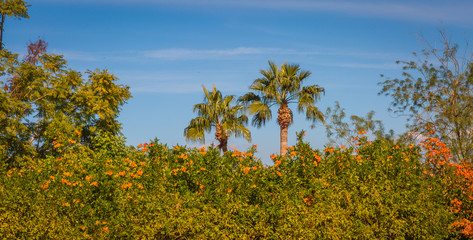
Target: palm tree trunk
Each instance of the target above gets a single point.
(223, 144)
(283, 140)
(284, 120)
(221, 137)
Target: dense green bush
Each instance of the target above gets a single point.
(373, 190)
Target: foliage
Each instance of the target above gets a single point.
(436, 91)
(11, 8)
(338, 130)
(281, 86)
(45, 107)
(458, 177)
(374, 190)
(217, 112)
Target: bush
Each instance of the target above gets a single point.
(371, 190)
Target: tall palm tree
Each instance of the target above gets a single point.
(218, 112)
(281, 86)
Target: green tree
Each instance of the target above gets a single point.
(338, 128)
(45, 106)
(11, 8)
(281, 86)
(436, 92)
(218, 112)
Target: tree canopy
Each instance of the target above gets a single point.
(217, 111)
(436, 92)
(281, 86)
(45, 106)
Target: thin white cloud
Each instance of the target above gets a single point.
(434, 11)
(199, 54)
(188, 54)
(360, 65)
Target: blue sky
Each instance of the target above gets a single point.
(166, 49)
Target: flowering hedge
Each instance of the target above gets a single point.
(369, 190)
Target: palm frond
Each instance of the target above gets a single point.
(248, 98)
(314, 114)
(197, 128)
(261, 112)
(217, 109)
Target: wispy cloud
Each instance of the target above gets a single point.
(434, 11)
(234, 53)
(189, 54)
(388, 65)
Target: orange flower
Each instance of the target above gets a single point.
(105, 229)
(203, 169)
(88, 178)
(122, 173)
(46, 185)
(255, 168)
(329, 150)
(139, 172)
(343, 147)
(183, 169)
(273, 156)
(278, 173)
(246, 169)
(277, 163)
(77, 132)
(142, 163)
(109, 173)
(94, 184)
(126, 185)
(65, 204)
(83, 228)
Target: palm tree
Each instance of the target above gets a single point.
(280, 87)
(217, 112)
